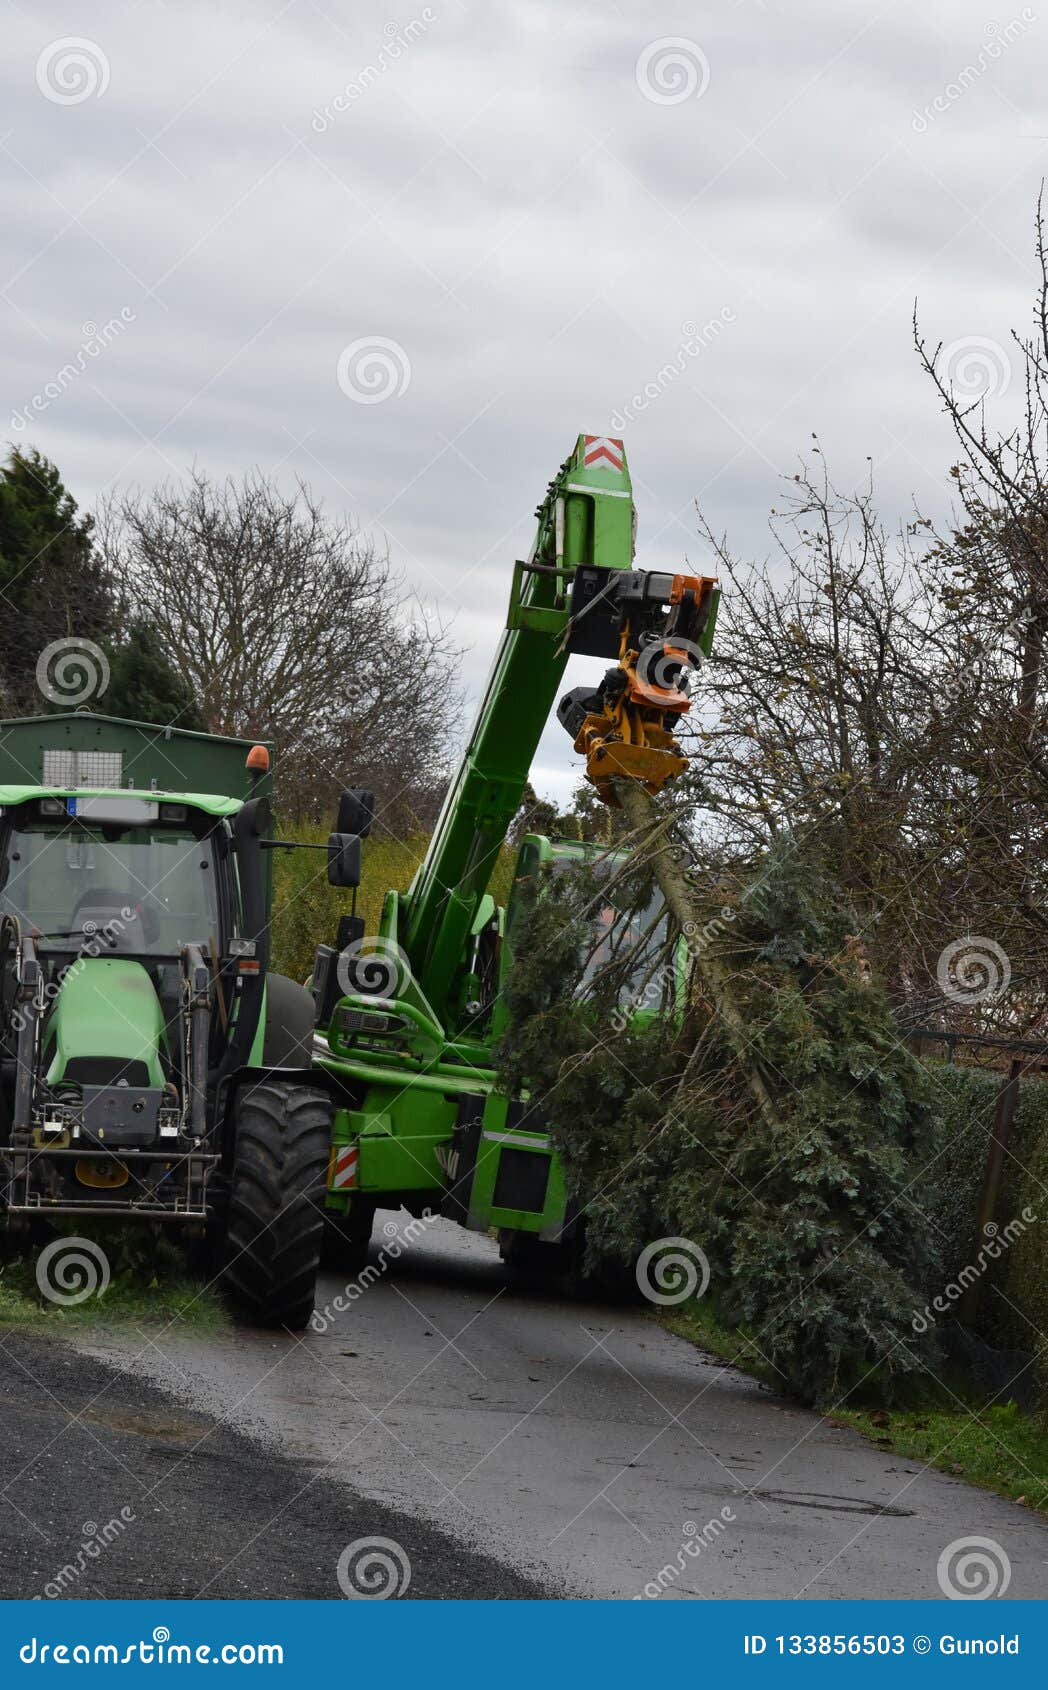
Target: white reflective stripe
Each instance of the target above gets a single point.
(605, 492)
(523, 1140)
(345, 1171)
(602, 446)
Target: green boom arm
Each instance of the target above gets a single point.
(586, 518)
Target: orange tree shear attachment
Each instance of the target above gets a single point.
(624, 728)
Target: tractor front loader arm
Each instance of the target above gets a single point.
(26, 1022)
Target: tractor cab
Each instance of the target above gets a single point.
(626, 940)
(109, 875)
(110, 904)
(150, 1064)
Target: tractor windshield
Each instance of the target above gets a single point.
(143, 890)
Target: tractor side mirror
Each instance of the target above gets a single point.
(343, 868)
(356, 811)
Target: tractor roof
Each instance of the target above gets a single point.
(77, 751)
(212, 803)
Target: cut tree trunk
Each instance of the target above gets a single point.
(639, 810)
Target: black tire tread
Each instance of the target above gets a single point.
(275, 1222)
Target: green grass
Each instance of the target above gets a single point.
(998, 1448)
(140, 1293)
(697, 1323)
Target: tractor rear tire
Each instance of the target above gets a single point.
(275, 1221)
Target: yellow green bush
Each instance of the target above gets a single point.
(306, 909)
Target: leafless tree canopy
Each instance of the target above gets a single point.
(292, 626)
(880, 698)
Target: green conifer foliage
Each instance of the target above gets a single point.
(809, 1214)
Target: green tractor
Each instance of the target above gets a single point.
(152, 1068)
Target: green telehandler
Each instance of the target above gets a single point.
(407, 1017)
(152, 1068)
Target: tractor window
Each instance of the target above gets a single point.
(141, 890)
(632, 938)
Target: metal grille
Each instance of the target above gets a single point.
(83, 768)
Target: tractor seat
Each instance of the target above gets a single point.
(103, 908)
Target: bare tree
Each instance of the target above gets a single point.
(992, 569)
(818, 677)
(862, 708)
(997, 554)
(292, 626)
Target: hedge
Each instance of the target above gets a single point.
(1013, 1305)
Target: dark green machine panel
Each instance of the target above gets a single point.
(84, 748)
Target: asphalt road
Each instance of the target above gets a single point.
(110, 1488)
(512, 1446)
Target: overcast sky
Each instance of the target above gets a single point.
(532, 208)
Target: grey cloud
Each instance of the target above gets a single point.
(503, 201)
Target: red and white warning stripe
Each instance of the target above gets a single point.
(343, 1170)
(600, 451)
